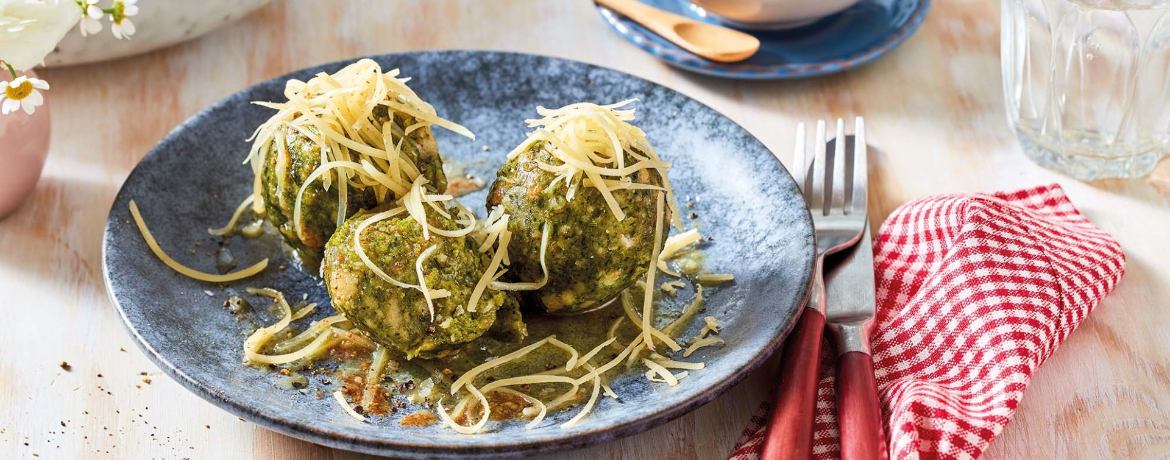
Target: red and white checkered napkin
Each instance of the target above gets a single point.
(974, 292)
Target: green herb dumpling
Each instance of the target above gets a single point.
(294, 156)
(592, 254)
(397, 313)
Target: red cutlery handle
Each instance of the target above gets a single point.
(789, 433)
(859, 413)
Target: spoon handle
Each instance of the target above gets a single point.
(658, 21)
(708, 41)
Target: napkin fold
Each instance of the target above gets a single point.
(974, 292)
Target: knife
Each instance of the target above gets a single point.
(850, 317)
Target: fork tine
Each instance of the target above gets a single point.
(818, 201)
(800, 161)
(837, 195)
(860, 167)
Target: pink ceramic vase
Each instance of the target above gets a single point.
(24, 143)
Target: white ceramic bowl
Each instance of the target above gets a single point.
(159, 22)
(771, 14)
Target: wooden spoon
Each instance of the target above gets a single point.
(715, 43)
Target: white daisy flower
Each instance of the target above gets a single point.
(91, 23)
(130, 8)
(123, 28)
(123, 9)
(22, 93)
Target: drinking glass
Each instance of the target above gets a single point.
(1087, 83)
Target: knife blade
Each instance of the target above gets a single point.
(850, 303)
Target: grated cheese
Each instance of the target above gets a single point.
(613, 362)
(589, 404)
(359, 152)
(572, 361)
(712, 326)
(566, 396)
(345, 335)
(634, 355)
(671, 287)
(504, 238)
(422, 282)
(585, 359)
(315, 329)
(414, 205)
(671, 364)
(184, 270)
(672, 247)
(378, 362)
(361, 251)
(447, 420)
(715, 278)
(700, 344)
(648, 301)
(531, 286)
(663, 374)
(636, 318)
(674, 327)
(304, 311)
(346, 407)
(231, 225)
(467, 377)
(614, 327)
(593, 141)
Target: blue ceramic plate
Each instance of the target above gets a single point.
(842, 41)
(744, 199)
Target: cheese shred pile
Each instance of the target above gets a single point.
(592, 143)
(336, 112)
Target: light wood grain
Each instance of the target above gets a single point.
(934, 112)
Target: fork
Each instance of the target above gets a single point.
(839, 214)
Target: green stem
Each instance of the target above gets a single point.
(10, 69)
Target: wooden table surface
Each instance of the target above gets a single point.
(933, 107)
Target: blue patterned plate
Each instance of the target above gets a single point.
(750, 208)
(842, 41)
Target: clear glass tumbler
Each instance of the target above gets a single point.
(1087, 83)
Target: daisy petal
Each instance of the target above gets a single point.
(130, 10)
(30, 103)
(39, 84)
(90, 26)
(10, 105)
(127, 27)
(93, 11)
